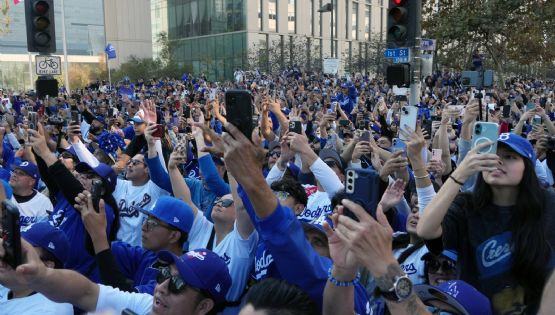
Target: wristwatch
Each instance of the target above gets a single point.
(400, 291)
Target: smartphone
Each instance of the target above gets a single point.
(75, 116)
(159, 132)
(537, 120)
(506, 111)
(343, 122)
(128, 312)
(362, 187)
(365, 136)
(96, 193)
(427, 125)
(110, 112)
(333, 108)
(436, 155)
(33, 120)
(530, 106)
(11, 234)
(436, 118)
(296, 127)
(398, 145)
(485, 131)
(239, 110)
(186, 111)
(409, 114)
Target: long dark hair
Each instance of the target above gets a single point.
(531, 250)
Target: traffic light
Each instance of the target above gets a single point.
(39, 15)
(398, 74)
(403, 23)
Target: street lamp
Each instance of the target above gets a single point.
(328, 7)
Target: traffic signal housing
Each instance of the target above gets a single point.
(41, 35)
(403, 23)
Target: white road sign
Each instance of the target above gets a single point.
(331, 65)
(48, 65)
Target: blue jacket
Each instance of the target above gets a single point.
(203, 192)
(135, 263)
(66, 218)
(346, 103)
(290, 256)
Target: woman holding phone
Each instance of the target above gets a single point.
(502, 231)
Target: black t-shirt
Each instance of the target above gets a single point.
(482, 240)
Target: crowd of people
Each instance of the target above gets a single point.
(141, 198)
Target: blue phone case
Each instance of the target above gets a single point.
(362, 186)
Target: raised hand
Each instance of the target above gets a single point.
(393, 194)
(475, 162)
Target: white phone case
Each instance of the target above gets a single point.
(409, 115)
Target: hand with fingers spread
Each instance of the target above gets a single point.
(395, 163)
(94, 222)
(476, 162)
(393, 194)
(415, 142)
(369, 240)
(435, 168)
(149, 111)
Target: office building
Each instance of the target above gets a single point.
(217, 36)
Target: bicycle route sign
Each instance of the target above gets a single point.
(48, 65)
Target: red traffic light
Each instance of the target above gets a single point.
(41, 7)
(398, 2)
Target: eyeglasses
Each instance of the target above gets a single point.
(445, 265)
(135, 162)
(331, 163)
(66, 155)
(274, 154)
(224, 203)
(151, 223)
(176, 284)
(281, 194)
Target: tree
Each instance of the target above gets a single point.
(277, 54)
(5, 20)
(506, 31)
(370, 58)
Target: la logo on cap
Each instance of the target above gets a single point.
(175, 220)
(218, 288)
(51, 245)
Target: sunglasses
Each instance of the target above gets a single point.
(274, 154)
(135, 162)
(89, 175)
(176, 284)
(331, 163)
(446, 265)
(439, 311)
(224, 203)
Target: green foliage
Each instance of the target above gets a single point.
(508, 32)
(146, 68)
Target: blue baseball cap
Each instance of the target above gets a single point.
(172, 211)
(202, 269)
(457, 294)
(105, 171)
(29, 168)
(519, 144)
(451, 254)
(136, 119)
(49, 238)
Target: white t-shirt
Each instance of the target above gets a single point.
(130, 199)
(34, 210)
(238, 253)
(318, 207)
(112, 299)
(413, 265)
(31, 305)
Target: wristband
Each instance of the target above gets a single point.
(338, 283)
(455, 180)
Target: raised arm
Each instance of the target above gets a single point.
(179, 187)
(243, 222)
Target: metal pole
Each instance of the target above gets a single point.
(109, 74)
(332, 51)
(64, 44)
(30, 70)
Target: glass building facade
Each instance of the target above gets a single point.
(209, 36)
